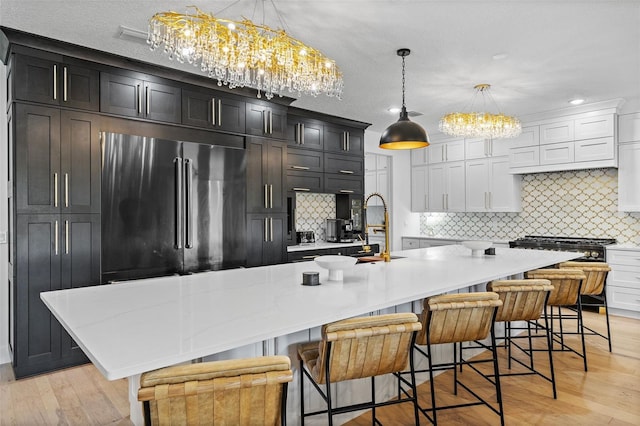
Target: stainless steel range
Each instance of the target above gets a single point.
(592, 249)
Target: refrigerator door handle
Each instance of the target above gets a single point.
(178, 204)
(189, 203)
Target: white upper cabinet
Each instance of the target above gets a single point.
(490, 187)
(446, 151)
(530, 136)
(446, 187)
(485, 148)
(420, 156)
(377, 177)
(629, 127)
(629, 178)
(559, 131)
(594, 127)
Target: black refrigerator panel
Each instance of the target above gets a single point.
(170, 207)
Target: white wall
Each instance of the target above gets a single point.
(4, 226)
(403, 221)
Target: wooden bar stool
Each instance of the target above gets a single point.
(457, 318)
(251, 391)
(594, 287)
(566, 290)
(524, 300)
(358, 348)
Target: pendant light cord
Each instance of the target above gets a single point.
(403, 107)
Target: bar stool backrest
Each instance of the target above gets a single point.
(239, 392)
(522, 300)
(366, 346)
(566, 284)
(596, 273)
(458, 317)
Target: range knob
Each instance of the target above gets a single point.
(587, 254)
(595, 254)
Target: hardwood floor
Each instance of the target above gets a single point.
(609, 393)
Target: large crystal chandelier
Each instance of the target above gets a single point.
(242, 53)
(484, 124)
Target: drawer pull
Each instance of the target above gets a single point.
(346, 191)
(346, 172)
(299, 167)
(300, 189)
(313, 256)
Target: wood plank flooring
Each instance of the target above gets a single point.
(609, 393)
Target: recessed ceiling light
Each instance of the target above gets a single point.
(576, 101)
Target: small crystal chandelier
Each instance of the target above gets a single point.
(480, 124)
(241, 53)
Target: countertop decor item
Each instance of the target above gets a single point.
(336, 265)
(404, 133)
(242, 53)
(481, 124)
(477, 247)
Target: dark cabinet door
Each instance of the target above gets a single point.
(121, 95)
(342, 184)
(56, 83)
(37, 333)
(304, 160)
(266, 239)
(162, 102)
(80, 267)
(265, 120)
(210, 110)
(343, 164)
(80, 163)
(345, 140)
(37, 151)
(266, 161)
(304, 133)
(132, 97)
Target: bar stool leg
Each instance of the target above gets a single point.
(584, 350)
(550, 351)
(496, 372)
(373, 400)
(301, 373)
(606, 312)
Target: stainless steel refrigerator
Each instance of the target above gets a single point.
(170, 207)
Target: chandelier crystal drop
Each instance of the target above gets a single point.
(242, 53)
(484, 125)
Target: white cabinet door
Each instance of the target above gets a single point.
(560, 131)
(382, 183)
(420, 156)
(594, 127)
(419, 189)
(629, 177)
(477, 185)
(410, 243)
(629, 127)
(370, 186)
(449, 150)
(530, 136)
(382, 162)
(476, 148)
(370, 162)
(557, 153)
(455, 180)
(499, 147)
(504, 188)
(437, 190)
(595, 149)
(524, 157)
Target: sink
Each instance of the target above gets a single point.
(369, 259)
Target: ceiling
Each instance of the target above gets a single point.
(554, 49)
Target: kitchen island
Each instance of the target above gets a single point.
(128, 328)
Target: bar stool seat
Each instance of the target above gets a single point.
(355, 348)
(524, 300)
(244, 392)
(594, 286)
(457, 318)
(566, 284)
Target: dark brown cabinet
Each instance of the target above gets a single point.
(343, 184)
(305, 133)
(305, 181)
(56, 82)
(266, 239)
(135, 97)
(53, 252)
(212, 110)
(343, 164)
(346, 140)
(265, 119)
(57, 160)
(266, 161)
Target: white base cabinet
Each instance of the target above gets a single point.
(623, 281)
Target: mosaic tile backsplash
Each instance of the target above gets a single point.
(312, 211)
(579, 203)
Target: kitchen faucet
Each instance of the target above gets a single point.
(384, 227)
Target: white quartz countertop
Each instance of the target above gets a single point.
(137, 326)
(629, 247)
(321, 245)
(446, 238)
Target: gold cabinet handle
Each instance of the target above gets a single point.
(65, 82)
(55, 82)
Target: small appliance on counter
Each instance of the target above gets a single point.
(339, 231)
(305, 237)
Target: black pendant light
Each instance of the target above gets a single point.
(404, 134)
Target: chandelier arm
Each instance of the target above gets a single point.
(280, 18)
(225, 8)
(494, 103)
